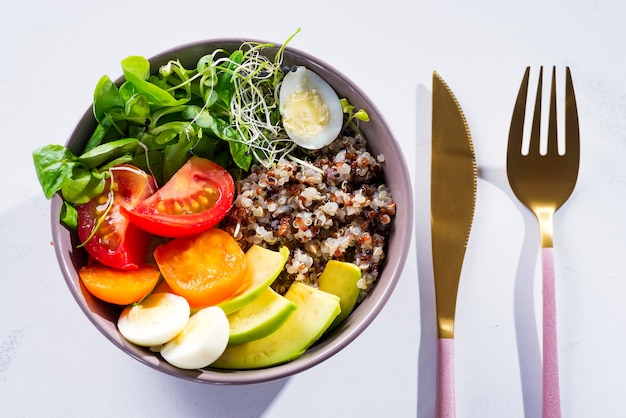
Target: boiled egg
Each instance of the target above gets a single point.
(311, 112)
(155, 320)
(201, 342)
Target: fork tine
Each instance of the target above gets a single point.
(516, 131)
(535, 133)
(553, 146)
(572, 133)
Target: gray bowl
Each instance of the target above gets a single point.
(381, 140)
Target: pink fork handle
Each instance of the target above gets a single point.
(445, 407)
(551, 406)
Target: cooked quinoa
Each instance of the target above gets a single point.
(337, 206)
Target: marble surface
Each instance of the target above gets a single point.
(54, 363)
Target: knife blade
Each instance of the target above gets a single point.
(453, 197)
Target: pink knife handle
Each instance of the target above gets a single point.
(445, 407)
(551, 407)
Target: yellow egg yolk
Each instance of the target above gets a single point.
(305, 114)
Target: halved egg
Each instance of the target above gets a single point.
(201, 342)
(155, 320)
(310, 109)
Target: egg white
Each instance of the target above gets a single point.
(155, 320)
(201, 342)
(311, 112)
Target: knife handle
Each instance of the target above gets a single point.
(445, 407)
(551, 402)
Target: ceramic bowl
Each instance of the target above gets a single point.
(381, 140)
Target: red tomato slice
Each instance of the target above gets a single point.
(194, 200)
(116, 242)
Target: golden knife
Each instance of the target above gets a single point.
(453, 197)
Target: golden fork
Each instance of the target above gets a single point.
(543, 183)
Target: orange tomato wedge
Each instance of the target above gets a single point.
(121, 287)
(205, 269)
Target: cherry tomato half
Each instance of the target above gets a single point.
(121, 287)
(105, 233)
(195, 199)
(205, 269)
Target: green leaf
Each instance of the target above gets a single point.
(225, 87)
(191, 111)
(149, 141)
(165, 111)
(106, 97)
(137, 71)
(208, 146)
(346, 107)
(166, 136)
(69, 216)
(152, 163)
(137, 67)
(205, 66)
(175, 156)
(127, 90)
(223, 159)
(182, 128)
(239, 151)
(54, 165)
(108, 152)
(98, 134)
(240, 154)
(204, 119)
(84, 185)
(137, 107)
(362, 115)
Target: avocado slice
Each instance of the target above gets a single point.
(264, 265)
(315, 311)
(260, 317)
(340, 278)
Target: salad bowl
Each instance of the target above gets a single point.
(381, 140)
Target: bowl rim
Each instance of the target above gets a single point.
(326, 347)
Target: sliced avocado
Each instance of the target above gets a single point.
(260, 317)
(315, 311)
(340, 278)
(264, 266)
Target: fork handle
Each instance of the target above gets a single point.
(445, 407)
(551, 403)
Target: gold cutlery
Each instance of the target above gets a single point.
(453, 195)
(543, 182)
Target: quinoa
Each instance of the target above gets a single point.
(336, 206)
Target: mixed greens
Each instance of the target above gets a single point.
(226, 109)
